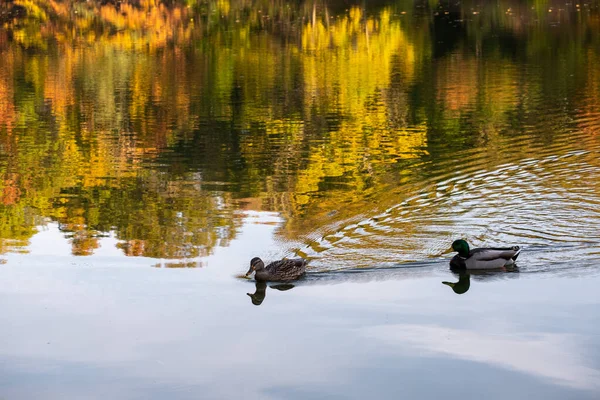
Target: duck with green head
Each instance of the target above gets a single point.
(482, 258)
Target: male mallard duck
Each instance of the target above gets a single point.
(482, 258)
(282, 270)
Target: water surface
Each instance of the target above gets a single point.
(149, 150)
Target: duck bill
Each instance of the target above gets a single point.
(451, 284)
(249, 271)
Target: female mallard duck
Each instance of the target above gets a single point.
(282, 270)
(482, 258)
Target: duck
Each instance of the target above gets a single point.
(277, 271)
(482, 258)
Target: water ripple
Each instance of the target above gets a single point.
(546, 200)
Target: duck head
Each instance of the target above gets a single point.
(462, 247)
(256, 264)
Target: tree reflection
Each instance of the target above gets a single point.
(159, 121)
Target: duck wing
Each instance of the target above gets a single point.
(494, 253)
(287, 269)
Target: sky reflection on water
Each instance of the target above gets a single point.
(74, 331)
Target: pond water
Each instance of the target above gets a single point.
(149, 150)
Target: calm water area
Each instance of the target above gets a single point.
(149, 149)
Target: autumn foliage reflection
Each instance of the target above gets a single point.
(160, 121)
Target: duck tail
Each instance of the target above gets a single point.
(518, 250)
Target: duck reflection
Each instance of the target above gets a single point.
(464, 277)
(463, 284)
(261, 291)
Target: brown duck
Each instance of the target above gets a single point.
(278, 271)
